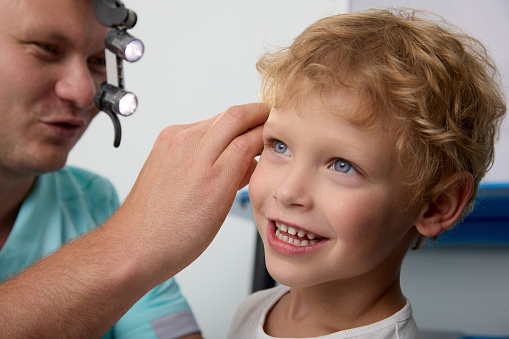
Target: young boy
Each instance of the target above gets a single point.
(382, 126)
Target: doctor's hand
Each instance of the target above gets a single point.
(175, 209)
(188, 184)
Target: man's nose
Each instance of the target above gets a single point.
(76, 84)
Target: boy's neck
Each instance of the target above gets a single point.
(333, 307)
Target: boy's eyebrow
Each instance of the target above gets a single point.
(267, 124)
(272, 121)
(271, 127)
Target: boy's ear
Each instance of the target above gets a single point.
(444, 208)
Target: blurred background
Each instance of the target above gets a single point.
(200, 59)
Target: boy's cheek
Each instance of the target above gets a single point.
(255, 187)
(256, 196)
(260, 185)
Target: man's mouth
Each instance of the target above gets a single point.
(65, 128)
(296, 236)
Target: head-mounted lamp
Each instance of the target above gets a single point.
(111, 99)
(124, 45)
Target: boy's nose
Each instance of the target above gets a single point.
(293, 190)
(77, 85)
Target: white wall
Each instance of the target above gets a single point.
(199, 60)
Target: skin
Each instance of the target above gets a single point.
(50, 71)
(340, 181)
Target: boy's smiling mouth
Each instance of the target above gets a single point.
(295, 236)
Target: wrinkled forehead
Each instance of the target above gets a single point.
(74, 19)
(44, 9)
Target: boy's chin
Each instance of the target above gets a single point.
(291, 277)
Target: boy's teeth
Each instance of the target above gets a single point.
(310, 238)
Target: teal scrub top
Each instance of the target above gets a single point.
(72, 201)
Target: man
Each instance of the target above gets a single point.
(51, 65)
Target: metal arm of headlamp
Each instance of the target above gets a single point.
(111, 99)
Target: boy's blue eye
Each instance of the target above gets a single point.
(343, 166)
(280, 147)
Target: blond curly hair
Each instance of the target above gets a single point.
(437, 86)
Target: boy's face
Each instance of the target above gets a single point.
(335, 189)
(51, 64)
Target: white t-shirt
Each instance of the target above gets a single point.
(250, 317)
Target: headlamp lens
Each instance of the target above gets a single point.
(134, 51)
(127, 104)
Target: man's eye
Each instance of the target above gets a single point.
(280, 147)
(46, 51)
(97, 63)
(100, 62)
(343, 166)
(49, 48)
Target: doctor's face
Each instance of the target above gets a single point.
(51, 63)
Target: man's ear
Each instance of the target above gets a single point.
(446, 206)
